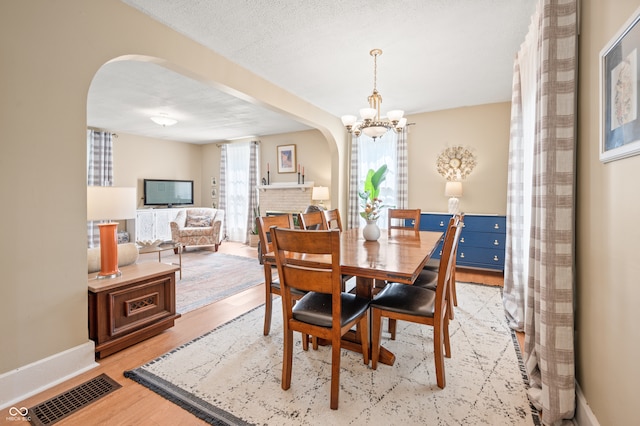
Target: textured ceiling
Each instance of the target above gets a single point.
(438, 54)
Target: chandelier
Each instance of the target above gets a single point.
(372, 125)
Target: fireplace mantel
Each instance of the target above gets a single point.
(286, 185)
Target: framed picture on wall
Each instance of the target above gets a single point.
(286, 158)
(619, 75)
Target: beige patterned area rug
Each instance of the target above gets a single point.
(231, 375)
(209, 276)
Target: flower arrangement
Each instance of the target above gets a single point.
(369, 201)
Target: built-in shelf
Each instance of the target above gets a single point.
(286, 185)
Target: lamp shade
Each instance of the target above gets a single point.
(110, 203)
(453, 189)
(320, 193)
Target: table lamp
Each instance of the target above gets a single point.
(320, 193)
(453, 190)
(109, 203)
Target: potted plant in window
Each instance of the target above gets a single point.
(371, 204)
(254, 238)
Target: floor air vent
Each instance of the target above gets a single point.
(63, 405)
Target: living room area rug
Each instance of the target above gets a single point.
(209, 276)
(232, 374)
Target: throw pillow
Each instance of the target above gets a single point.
(198, 221)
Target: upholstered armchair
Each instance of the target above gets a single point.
(198, 227)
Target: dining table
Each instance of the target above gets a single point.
(397, 256)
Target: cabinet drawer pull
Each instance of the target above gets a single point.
(496, 226)
(441, 224)
(495, 258)
(462, 255)
(440, 253)
(462, 240)
(496, 243)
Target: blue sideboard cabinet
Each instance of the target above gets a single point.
(482, 240)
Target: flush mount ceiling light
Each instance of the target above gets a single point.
(163, 120)
(371, 124)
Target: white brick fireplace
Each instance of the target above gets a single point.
(285, 197)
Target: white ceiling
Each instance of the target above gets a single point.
(438, 54)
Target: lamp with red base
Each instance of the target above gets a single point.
(108, 203)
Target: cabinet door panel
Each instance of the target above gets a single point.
(476, 257)
(434, 222)
(481, 239)
(485, 224)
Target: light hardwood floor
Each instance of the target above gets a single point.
(134, 404)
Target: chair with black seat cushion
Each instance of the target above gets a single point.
(420, 305)
(266, 247)
(429, 275)
(309, 261)
(397, 219)
(332, 221)
(428, 278)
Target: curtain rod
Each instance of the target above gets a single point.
(115, 135)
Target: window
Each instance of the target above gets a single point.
(371, 155)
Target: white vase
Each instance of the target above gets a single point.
(371, 232)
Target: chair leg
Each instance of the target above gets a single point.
(392, 328)
(287, 359)
(335, 374)
(447, 343)
(314, 341)
(437, 354)
(305, 342)
(454, 295)
(267, 312)
(376, 319)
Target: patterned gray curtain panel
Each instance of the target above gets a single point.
(99, 172)
(549, 317)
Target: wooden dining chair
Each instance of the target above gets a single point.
(309, 261)
(428, 277)
(313, 220)
(420, 305)
(395, 215)
(332, 219)
(272, 286)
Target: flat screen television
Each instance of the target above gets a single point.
(166, 192)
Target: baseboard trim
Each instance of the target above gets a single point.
(24, 382)
(584, 416)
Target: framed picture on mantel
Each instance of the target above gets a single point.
(286, 158)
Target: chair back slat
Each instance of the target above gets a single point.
(332, 219)
(397, 219)
(265, 223)
(308, 260)
(313, 220)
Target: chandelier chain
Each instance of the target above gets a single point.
(375, 70)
